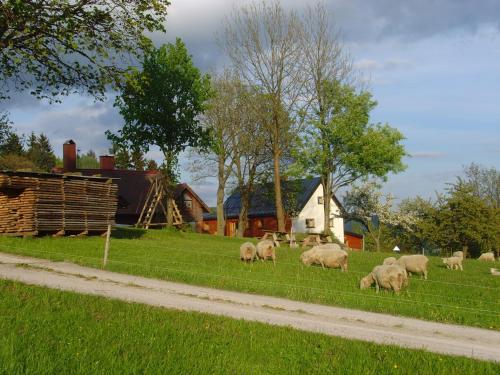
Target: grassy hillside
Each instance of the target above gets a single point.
(471, 297)
(45, 331)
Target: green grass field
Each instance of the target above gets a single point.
(44, 331)
(471, 297)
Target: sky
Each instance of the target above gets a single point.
(433, 67)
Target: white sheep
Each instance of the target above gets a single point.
(389, 261)
(248, 252)
(388, 277)
(487, 257)
(459, 254)
(495, 272)
(453, 262)
(265, 250)
(414, 263)
(328, 255)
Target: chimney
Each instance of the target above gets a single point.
(107, 162)
(69, 156)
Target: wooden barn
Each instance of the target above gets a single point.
(37, 203)
(303, 200)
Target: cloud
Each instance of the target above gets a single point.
(389, 64)
(428, 154)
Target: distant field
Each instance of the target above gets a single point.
(471, 297)
(44, 331)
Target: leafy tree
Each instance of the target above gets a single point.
(87, 161)
(367, 205)
(40, 152)
(161, 106)
(15, 162)
(341, 146)
(137, 160)
(13, 145)
(485, 183)
(122, 156)
(151, 165)
(62, 46)
(463, 221)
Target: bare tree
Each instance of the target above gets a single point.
(324, 60)
(262, 42)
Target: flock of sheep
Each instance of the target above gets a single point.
(392, 274)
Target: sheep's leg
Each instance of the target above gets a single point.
(425, 274)
(461, 268)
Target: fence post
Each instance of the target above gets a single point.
(106, 246)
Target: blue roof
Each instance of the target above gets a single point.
(295, 195)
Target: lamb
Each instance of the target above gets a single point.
(389, 277)
(459, 254)
(487, 257)
(248, 252)
(453, 262)
(328, 255)
(389, 261)
(495, 272)
(414, 263)
(265, 250)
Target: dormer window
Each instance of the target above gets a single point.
(321, 200)
(188, 203)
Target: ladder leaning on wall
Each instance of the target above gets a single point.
(154, 198)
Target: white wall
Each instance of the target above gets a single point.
(313, 210)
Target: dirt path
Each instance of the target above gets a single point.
(352, 324)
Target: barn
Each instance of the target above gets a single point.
(303, 201)
(47, 203)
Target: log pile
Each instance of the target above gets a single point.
(34, 203)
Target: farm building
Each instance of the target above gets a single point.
(303, 201)
(34, 203)
(353, 240)
(133, 188)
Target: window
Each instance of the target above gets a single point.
(309, 223)
(331, 222)
(321, 200)
(188, 203)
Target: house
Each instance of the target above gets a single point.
(303, 202)
(133, 187)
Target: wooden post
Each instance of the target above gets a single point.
(106, 246)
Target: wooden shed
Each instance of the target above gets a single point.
(35, 203)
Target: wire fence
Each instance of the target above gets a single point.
(393, 299)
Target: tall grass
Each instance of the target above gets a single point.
(44, 331)
(471, 297)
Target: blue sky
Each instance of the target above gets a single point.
(433, 67)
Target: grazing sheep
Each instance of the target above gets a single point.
(248, 252)
(265, 250)
(414, 263)
(389, 261)
(495, 272)
(453, 263)
(328, 255)
(388, 277)
(487, 257)
(459, 254)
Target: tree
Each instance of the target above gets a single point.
(161, 106)
(122, 156)
(87, 161)
(61, 46)
(342, 146)
(324, 60)
(262, 42)
(40, 152)
(15, 162)
(463, 221)
(367, 205)
(485, 183)
(13, 145)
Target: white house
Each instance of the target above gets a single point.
(303, 201)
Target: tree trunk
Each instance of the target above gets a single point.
(327, 197)
(169, 161)
(464, 249)
(221, 220)
(170, 211)
(243, 217)
(280, 214)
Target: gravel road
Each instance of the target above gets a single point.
(352, 324)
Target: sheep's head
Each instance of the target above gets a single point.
(366, 281)
(306, 258)
(445, 260)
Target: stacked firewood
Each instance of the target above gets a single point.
(34, 203)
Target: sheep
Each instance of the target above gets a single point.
(487, 257)
(248, 252)
(453, 263)
(386, 276)
(328, 255)
(265, 250)
(495, 272)
(414, 263)
(459, 254)
(389, 261)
